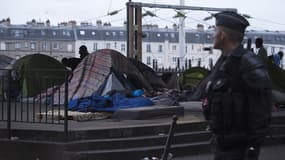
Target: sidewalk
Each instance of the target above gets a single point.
(274, 152)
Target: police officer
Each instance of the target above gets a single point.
(238, 93)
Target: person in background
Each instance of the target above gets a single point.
(260, 50)
(238, 94)
(83, 52)
(73, 62)
(277, 58)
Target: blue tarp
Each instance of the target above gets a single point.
(114, 102)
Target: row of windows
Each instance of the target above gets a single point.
(173, 48)
(18, 33)
(33, 46)
(22, 33)
(108, 45)
(107, 33)
(175, 60)
(196, 36)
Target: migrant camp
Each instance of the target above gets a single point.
(106, 80)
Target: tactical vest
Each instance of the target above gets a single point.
(226, 98)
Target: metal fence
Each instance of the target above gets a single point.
(34, 96)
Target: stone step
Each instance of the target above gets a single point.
(42, 149)
(138, 153)
(131, 131)
(143, 141)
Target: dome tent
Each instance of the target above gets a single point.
(100, 73)
(37, 72)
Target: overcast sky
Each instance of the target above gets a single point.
(267, 14)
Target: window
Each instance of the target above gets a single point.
(107, 33)
(17, 45)
(209, 36)
(68, 33)
(197, 36)
(26, 45)
(115, 44)
(33, 45)
(25, 32)
(199, 49)
(121, 33)
(211, 64)
(172, 35)
(2, 46)
(174, 47)
(148, 48)
(93, 33)
(95, 46)
(44, 46)
(123, 47)
(166, 34)
(148, 60)
(65, 33)
(108, 45)
(272, 50)
(199, 62)
(69, 47)
(158, 34)
(55, 46)
(82, 33)
(17, 33)
(160, 48)
(54, 33)
(174, 59)
(114, 33)
(43, 33)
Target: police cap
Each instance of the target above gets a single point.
(231, 20)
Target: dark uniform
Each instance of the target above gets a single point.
(239, 101)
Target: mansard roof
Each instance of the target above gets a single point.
(23, 32)
(110, 33)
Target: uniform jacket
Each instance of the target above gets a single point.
(239, 94)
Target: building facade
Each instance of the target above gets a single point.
(160, 45)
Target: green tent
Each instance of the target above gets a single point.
(192, 77)
(38, 72)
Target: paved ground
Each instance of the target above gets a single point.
(192, 113)
(276, 152)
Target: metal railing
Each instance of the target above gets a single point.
(34, 96)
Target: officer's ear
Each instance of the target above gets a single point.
(223, 34)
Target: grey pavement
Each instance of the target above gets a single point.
(271, 152)
(192, 113)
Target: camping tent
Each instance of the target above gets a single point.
(37, 72)
(149, 74)
(192, 77)
(101, 72)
